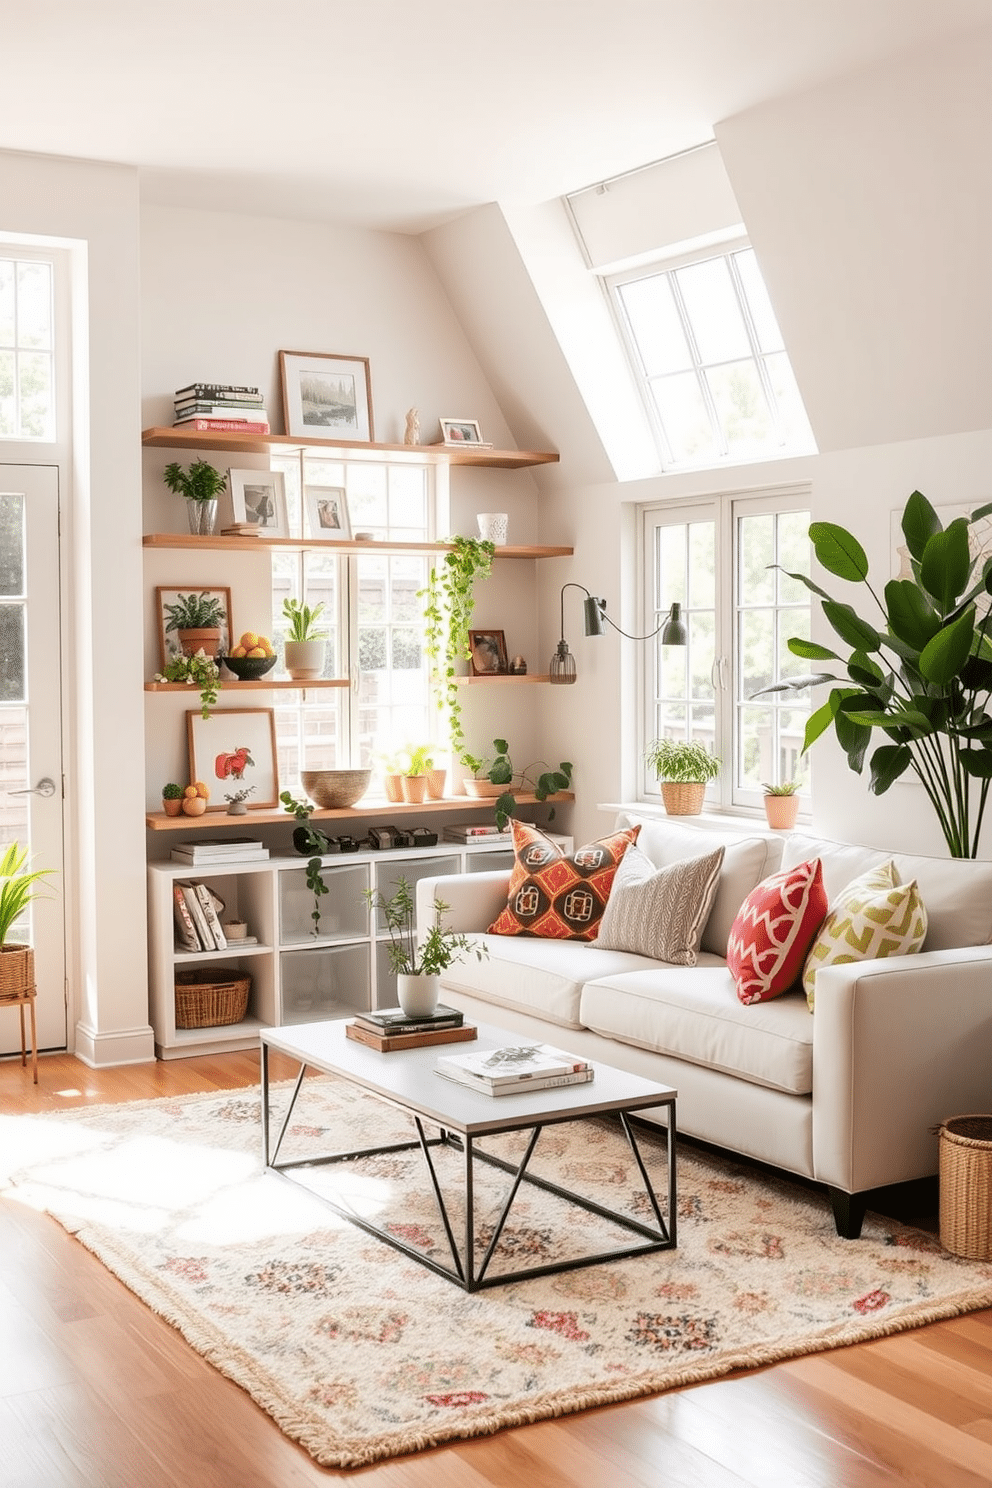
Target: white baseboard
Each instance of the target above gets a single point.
(124, 1046)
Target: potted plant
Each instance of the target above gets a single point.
(782, 804)
(920, 670)
(18, 887)
(305, 646)
(391, 767)
(418, 760)
(201, 485)
(682, 768)
(448, 610)
(172, 799)
(495, 778)
(198, 670)
(417, 968)
(197, 620)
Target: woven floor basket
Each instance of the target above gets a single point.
(206, 999)
(966, 1187)
(683, 799)
(16, 969)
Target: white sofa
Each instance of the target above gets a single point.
(847, 1096)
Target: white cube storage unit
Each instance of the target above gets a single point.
(297, 975)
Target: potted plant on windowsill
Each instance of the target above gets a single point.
(682, 768)
(201, 485)
(418, 968)
(495, 779)
(418, 760)
(782, 805)
(305, 646)
(18, 887)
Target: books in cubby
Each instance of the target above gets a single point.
(515, 1069)
(196, 910)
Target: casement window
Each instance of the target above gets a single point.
(372, 618)
(709, 358)
(717, 559)
(27, 346)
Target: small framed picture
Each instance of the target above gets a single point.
(189, 608)
(326, 395)
(327, 512)
(488, 653)
(231, 749)
(259, 497)
(461, 431)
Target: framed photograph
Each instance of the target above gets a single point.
(259, 497)
(488, 653)
(461, 431)
(186, 602)
(233, 748)
(327, 512)
(326, 395)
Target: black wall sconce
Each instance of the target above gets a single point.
(562, 666)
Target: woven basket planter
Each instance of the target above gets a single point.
(966, 1187)
(683, 799)
(16, 969)
(206, 999)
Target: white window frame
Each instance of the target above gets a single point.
(20, 247)
(724, 509)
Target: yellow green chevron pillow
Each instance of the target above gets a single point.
(874, 916)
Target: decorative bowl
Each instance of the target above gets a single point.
(248, 668)
(332, 789)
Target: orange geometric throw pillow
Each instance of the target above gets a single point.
(773, 931)
(559, 896)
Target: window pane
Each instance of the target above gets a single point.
(713, 311)
(757, 651)
(702, 565)
(741, 407)
(795, 622)
(11, 543)
(754, 748)
(12, 668)
(34, 305)
(670, 570)
(684, 417)
(7, 324)
(760, 306)
(8, 404)
(794, 556)
(793, 424)
(756, 552)
(702, 651)
(656, 325)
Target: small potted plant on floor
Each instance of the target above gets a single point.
(18, 887)
(682, 768)
(417, 968)
(782, 804)
(305, 646)
(201, 485)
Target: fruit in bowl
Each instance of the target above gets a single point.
(253, 645)
(248, 668)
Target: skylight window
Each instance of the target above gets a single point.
(705, 342)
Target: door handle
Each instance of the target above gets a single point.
(45, 787)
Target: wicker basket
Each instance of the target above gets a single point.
(16, 969)
(207, 999)
(966, 1187)
(683, 799)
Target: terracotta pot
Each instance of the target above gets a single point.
(683, 798)
(435, 784)
(172, 806)
(414, 787)
(781, 812)
(194, 806)
(393, 786)
(207, 641)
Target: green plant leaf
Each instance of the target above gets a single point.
(943, 658)
(946, 564)
(802, 578)
(911, 616)
(862, 669)
(977, 762)
(901, 718)
(887, 764)
(850, 627)
(838, 552)
(817, 723)
(919, 523)
(809, 650)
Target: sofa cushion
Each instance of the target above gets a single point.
(956, 891)
(774, 930)
(873, 917)
(558, 896)
(542, 977)
(660, 912)
(746, 861)
(693, 1013)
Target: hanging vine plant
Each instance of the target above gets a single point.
(449, 605)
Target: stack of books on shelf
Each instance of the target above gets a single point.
(390, 1028)
(197, 910)
(221, 405)
(219, 850)
(477, 835)
(515, 1069)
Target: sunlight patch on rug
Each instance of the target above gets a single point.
(359, 1353)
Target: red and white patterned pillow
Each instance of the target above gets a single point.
(555, 895)
(774, 929)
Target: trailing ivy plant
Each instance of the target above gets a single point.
(199, 670)
(449, 605)
(499, 770)
(306, 839)
(920, 670)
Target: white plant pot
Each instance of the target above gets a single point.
(418, 995)
(304, 659)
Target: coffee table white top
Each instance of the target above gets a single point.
(407, 1078)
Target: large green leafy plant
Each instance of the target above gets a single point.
(919, 672)
(18, 886)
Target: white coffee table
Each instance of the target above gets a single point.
(407, 1080)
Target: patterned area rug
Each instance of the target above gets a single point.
(360, 1353)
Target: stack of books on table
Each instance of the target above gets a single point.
(477, 835)
(515, 1069)
(390, 1028)
(221, 405)
(218, 851)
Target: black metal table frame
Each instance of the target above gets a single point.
(463, 1270)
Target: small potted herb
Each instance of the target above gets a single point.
(682, 768)
(201, 485)
(172, 799)
(782, 804)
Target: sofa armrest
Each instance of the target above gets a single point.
(899, 1045)
(473, 899)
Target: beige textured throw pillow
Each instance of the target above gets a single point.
(660, 912)
(874, 916)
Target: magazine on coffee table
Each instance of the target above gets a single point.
(513, 1063)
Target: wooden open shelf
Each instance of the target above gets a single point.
(494, 681)
(261, 444)
(257, 685)
(188, 541)
(157, 821)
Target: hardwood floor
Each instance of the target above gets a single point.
(97, 1392)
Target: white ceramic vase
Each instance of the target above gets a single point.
(304, 659)
(417, 995)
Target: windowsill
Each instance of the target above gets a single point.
(742, 819)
